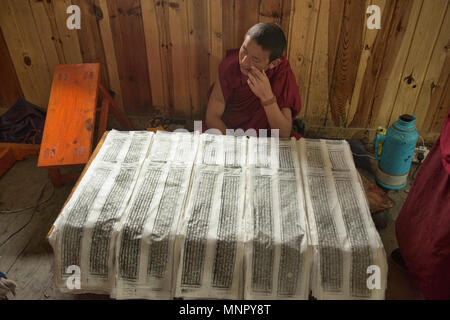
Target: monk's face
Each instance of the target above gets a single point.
(252, 54)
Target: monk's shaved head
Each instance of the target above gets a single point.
(270, 37)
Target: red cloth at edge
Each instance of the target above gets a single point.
(423, 225)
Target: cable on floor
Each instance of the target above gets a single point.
(31, 207)
(38, 203)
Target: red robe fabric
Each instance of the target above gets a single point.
(423, 225)
(243, 110)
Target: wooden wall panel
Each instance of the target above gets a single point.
(439, 105)
(228, 8)
(347, 60)
(379, 63)
(287, 9)
(10, 89)
(432, 77)
(369, 37)
(336, 16)
(48, 38)
(179, 47)
(442, 109)
(318, 84)
(129, 43)
(215, 28)
(68, 39)
(161, 55)
(22, 39)
(198, 56)
(246, 14)
(301, 47)
(110, 55)
(425, 36)
(270, 11)
(89, 36)
(156, 43)
(385, 102)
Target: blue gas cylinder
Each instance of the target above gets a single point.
(397, 153)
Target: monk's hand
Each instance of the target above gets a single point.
(260, 84)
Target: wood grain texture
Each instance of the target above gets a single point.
(68, 39)
(179, 49)
(228, 8)
(380, 64)
(246, 14)
(162, 56)
(48, 37)
(199, 55)
(10, 89)
(48, 30)
(68, 133)
(422, 45)
(384, 102)
(22, 39)
(318, 84)
(129, 42)
(215, 28)
(270, 11)
(369, 37)
(442, 109)
(438, 105)
(287, 11)
(302, 45)
(432, 78)
(91, 45)
(336, 15)
(347, 60)
(110, 55)
(155, 41)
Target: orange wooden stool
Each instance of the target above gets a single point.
(69, 125)
(12, 152)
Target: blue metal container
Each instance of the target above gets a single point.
(397, 153)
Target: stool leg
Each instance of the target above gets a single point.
(103, 121)
(55, 176)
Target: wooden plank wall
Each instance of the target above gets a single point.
(162, 56)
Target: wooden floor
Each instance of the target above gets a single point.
(27, 258)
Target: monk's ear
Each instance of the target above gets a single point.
(274, 63)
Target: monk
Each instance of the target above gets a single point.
(255, 87)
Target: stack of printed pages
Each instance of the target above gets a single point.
(200, 216)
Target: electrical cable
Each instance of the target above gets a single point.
(30, 207)
(38, 203)
(420, 157)
(364, 155)
(423, 141)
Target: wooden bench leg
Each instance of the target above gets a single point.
(7, 160)
(115, 110)
(103, 119)
(56, 177)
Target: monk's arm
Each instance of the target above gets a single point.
(215, 109)
(279, 119)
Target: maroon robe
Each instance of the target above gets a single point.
(243, 110)
(423, 225)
